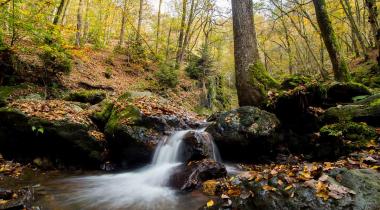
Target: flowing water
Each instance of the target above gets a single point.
(145, 188)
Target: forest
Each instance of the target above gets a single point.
(189, 104)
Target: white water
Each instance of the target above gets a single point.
(142, 189)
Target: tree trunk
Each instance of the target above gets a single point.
(79, 24)
(65, 12)
(246, 53)
(123, 21)
(139, 21)
(339, 64)
(86, 22)
(375, 27)
(372, 19)
(181, 32)
(187, 33)
(168, 42)
(59, 12)
(348, 11)
(158, 25)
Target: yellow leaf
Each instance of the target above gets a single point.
(375, 167)
(269, 188)
(323, 195)
(288, 187)
(210, 203)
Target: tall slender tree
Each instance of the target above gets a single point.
(158, 25)
(139, 22)
(339, 64)
(123, 22)
(181, 32)
(79, 24)
(59, 12)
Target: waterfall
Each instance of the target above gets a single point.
(142, 189)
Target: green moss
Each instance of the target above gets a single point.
(7, 91)
(56, 58)
(126, 115)
(104, 114)
(261, 78)
(352, 131)
(86, 96)
(375, 102)
(294, 81)
(368, 74)
(331, 130)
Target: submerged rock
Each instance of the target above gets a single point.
(190, 176)
(244, 133)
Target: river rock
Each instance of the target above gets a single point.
(366, 184)
(188, 177)
(197, 146)
(244, 133)
(65, 142)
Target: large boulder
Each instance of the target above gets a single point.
(188, 177)
(57, 132)
(133, 136)
(244, 133)
(367, 111)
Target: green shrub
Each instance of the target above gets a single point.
(136, 52)
(167, 76)
(200, 66)
(56, 58)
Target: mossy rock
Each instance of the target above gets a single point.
(294, 81)
(292, 107)
(102, 113)
(65, 143)
(86, 96)
(354, 135)
(244, 133)
(345, 92)
(367, 111)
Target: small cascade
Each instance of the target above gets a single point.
(142, 189)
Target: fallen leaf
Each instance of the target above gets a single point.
(269, 188)
(288, 187)
(210, 203)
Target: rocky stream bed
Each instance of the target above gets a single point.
(310, 147)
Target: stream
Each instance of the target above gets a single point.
(145, 188)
